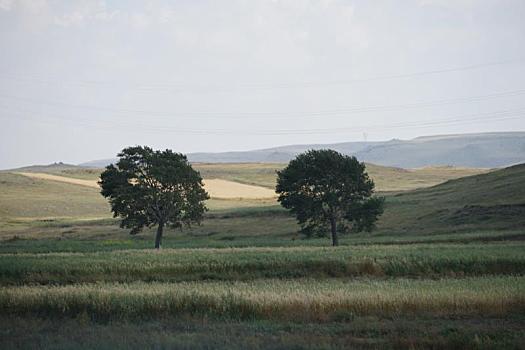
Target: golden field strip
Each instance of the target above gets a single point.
(51, 177)
(217, 188)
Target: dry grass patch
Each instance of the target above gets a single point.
(301, 299)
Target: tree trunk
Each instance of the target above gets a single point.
(333, 227)
(158, 237)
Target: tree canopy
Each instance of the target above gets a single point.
(147, 188)
(329, 192)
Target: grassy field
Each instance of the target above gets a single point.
(440, 295)
(388, 260)
(445, 269)
(264, 174)
(23, 198)
(386, 178)
(186, 332)
(490, 201)
(269, 299)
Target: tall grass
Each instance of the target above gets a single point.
(301, 299)
(417, 260)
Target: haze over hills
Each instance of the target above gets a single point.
(483, 150)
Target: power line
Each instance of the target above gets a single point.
(276, 114)
(408, 75)
(456, 120)
(186, 87)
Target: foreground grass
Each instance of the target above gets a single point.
(299, 299)
(262, 226)
(182, 332)
(446, 269)
(97, 238)
(423, 260)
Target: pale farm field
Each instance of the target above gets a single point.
(69, 180)
(217, 188)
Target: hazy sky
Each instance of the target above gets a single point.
(80, 80)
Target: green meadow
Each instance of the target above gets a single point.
(444, 269)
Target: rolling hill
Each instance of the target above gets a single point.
(29, 198)
(495, 200)
(485, 150)
(24, 197)
(473, 207)
(36, 197)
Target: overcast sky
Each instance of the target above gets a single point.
(80, 80)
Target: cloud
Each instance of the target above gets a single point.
(463, 4)
(86, 12)
(6, 5)
(69, 19)
(33, 6)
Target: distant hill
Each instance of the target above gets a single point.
(61, 169)
(48, 168)
(485, 150)
(488, 150)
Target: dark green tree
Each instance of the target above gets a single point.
(147, 188)
(329, 192)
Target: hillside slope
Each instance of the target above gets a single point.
(24, 197)
(495, 200)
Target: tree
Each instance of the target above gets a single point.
(147, 188)
(329, 192)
